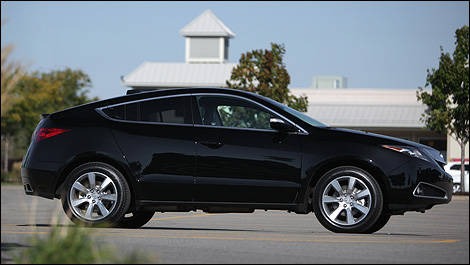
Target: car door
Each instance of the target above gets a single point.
(239, 157)
(156, 137)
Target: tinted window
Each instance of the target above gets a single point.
(232, 112)
(129, 112)
(168, 110)
(457, 167)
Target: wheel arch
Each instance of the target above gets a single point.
(362, 163)
(96, 157)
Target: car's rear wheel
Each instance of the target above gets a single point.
(95, 194)
(135, 219)
(456, 187)
(347, 200)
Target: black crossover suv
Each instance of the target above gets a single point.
(120, 160)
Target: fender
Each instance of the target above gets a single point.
(119, 162)
(315, 171)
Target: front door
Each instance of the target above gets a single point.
(239, 157)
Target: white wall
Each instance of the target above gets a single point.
(453, 149)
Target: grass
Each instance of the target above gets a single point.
(69, 244)
(73, 245)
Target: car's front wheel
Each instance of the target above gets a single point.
(348, 200)
(95, 194)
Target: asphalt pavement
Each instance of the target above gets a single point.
(441, 235)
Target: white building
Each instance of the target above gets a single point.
(206, 59)
(323, 82)
(394, 112)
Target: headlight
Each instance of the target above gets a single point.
(411, 151)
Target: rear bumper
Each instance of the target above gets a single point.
(38, 182)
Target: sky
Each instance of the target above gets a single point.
(374, 44)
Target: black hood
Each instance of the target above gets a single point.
(431, 152)
(389, 139)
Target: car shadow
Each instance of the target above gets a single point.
(232, 230)
(6, 247)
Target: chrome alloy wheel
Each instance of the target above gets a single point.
(346, 200)
(93, 196)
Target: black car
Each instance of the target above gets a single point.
(120, 160)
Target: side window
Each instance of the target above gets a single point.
(232, 112)
(457, 167)
(128, 112)
(116, 112)
(168, 110)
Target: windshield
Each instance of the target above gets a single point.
(297, 114)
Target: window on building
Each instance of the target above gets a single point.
(204, 47)
(226, 44)
(336, 84)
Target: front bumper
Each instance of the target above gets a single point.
(418, 185)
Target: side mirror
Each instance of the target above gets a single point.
(280, 125)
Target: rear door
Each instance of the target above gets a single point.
(156, 136)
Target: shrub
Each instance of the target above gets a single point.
(73, 245)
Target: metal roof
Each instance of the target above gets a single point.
(364, 107)
(207, 24)
(152, 74)
(338, 115)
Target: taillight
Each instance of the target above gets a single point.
(45, 133)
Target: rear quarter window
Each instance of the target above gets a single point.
(165, 110)
(128, 112)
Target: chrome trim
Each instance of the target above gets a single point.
(235, 128)
(143, 99)
(430, 197)
(276, 120)
(100, 111)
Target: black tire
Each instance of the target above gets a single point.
(360, 222)
(138, 219)
(380, 223)
(118, 206)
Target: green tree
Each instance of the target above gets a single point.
(40, 93)
(264, 72)
(11, 72)
(448, 104)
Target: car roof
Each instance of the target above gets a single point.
(156, 93)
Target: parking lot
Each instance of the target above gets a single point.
(441, 235)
